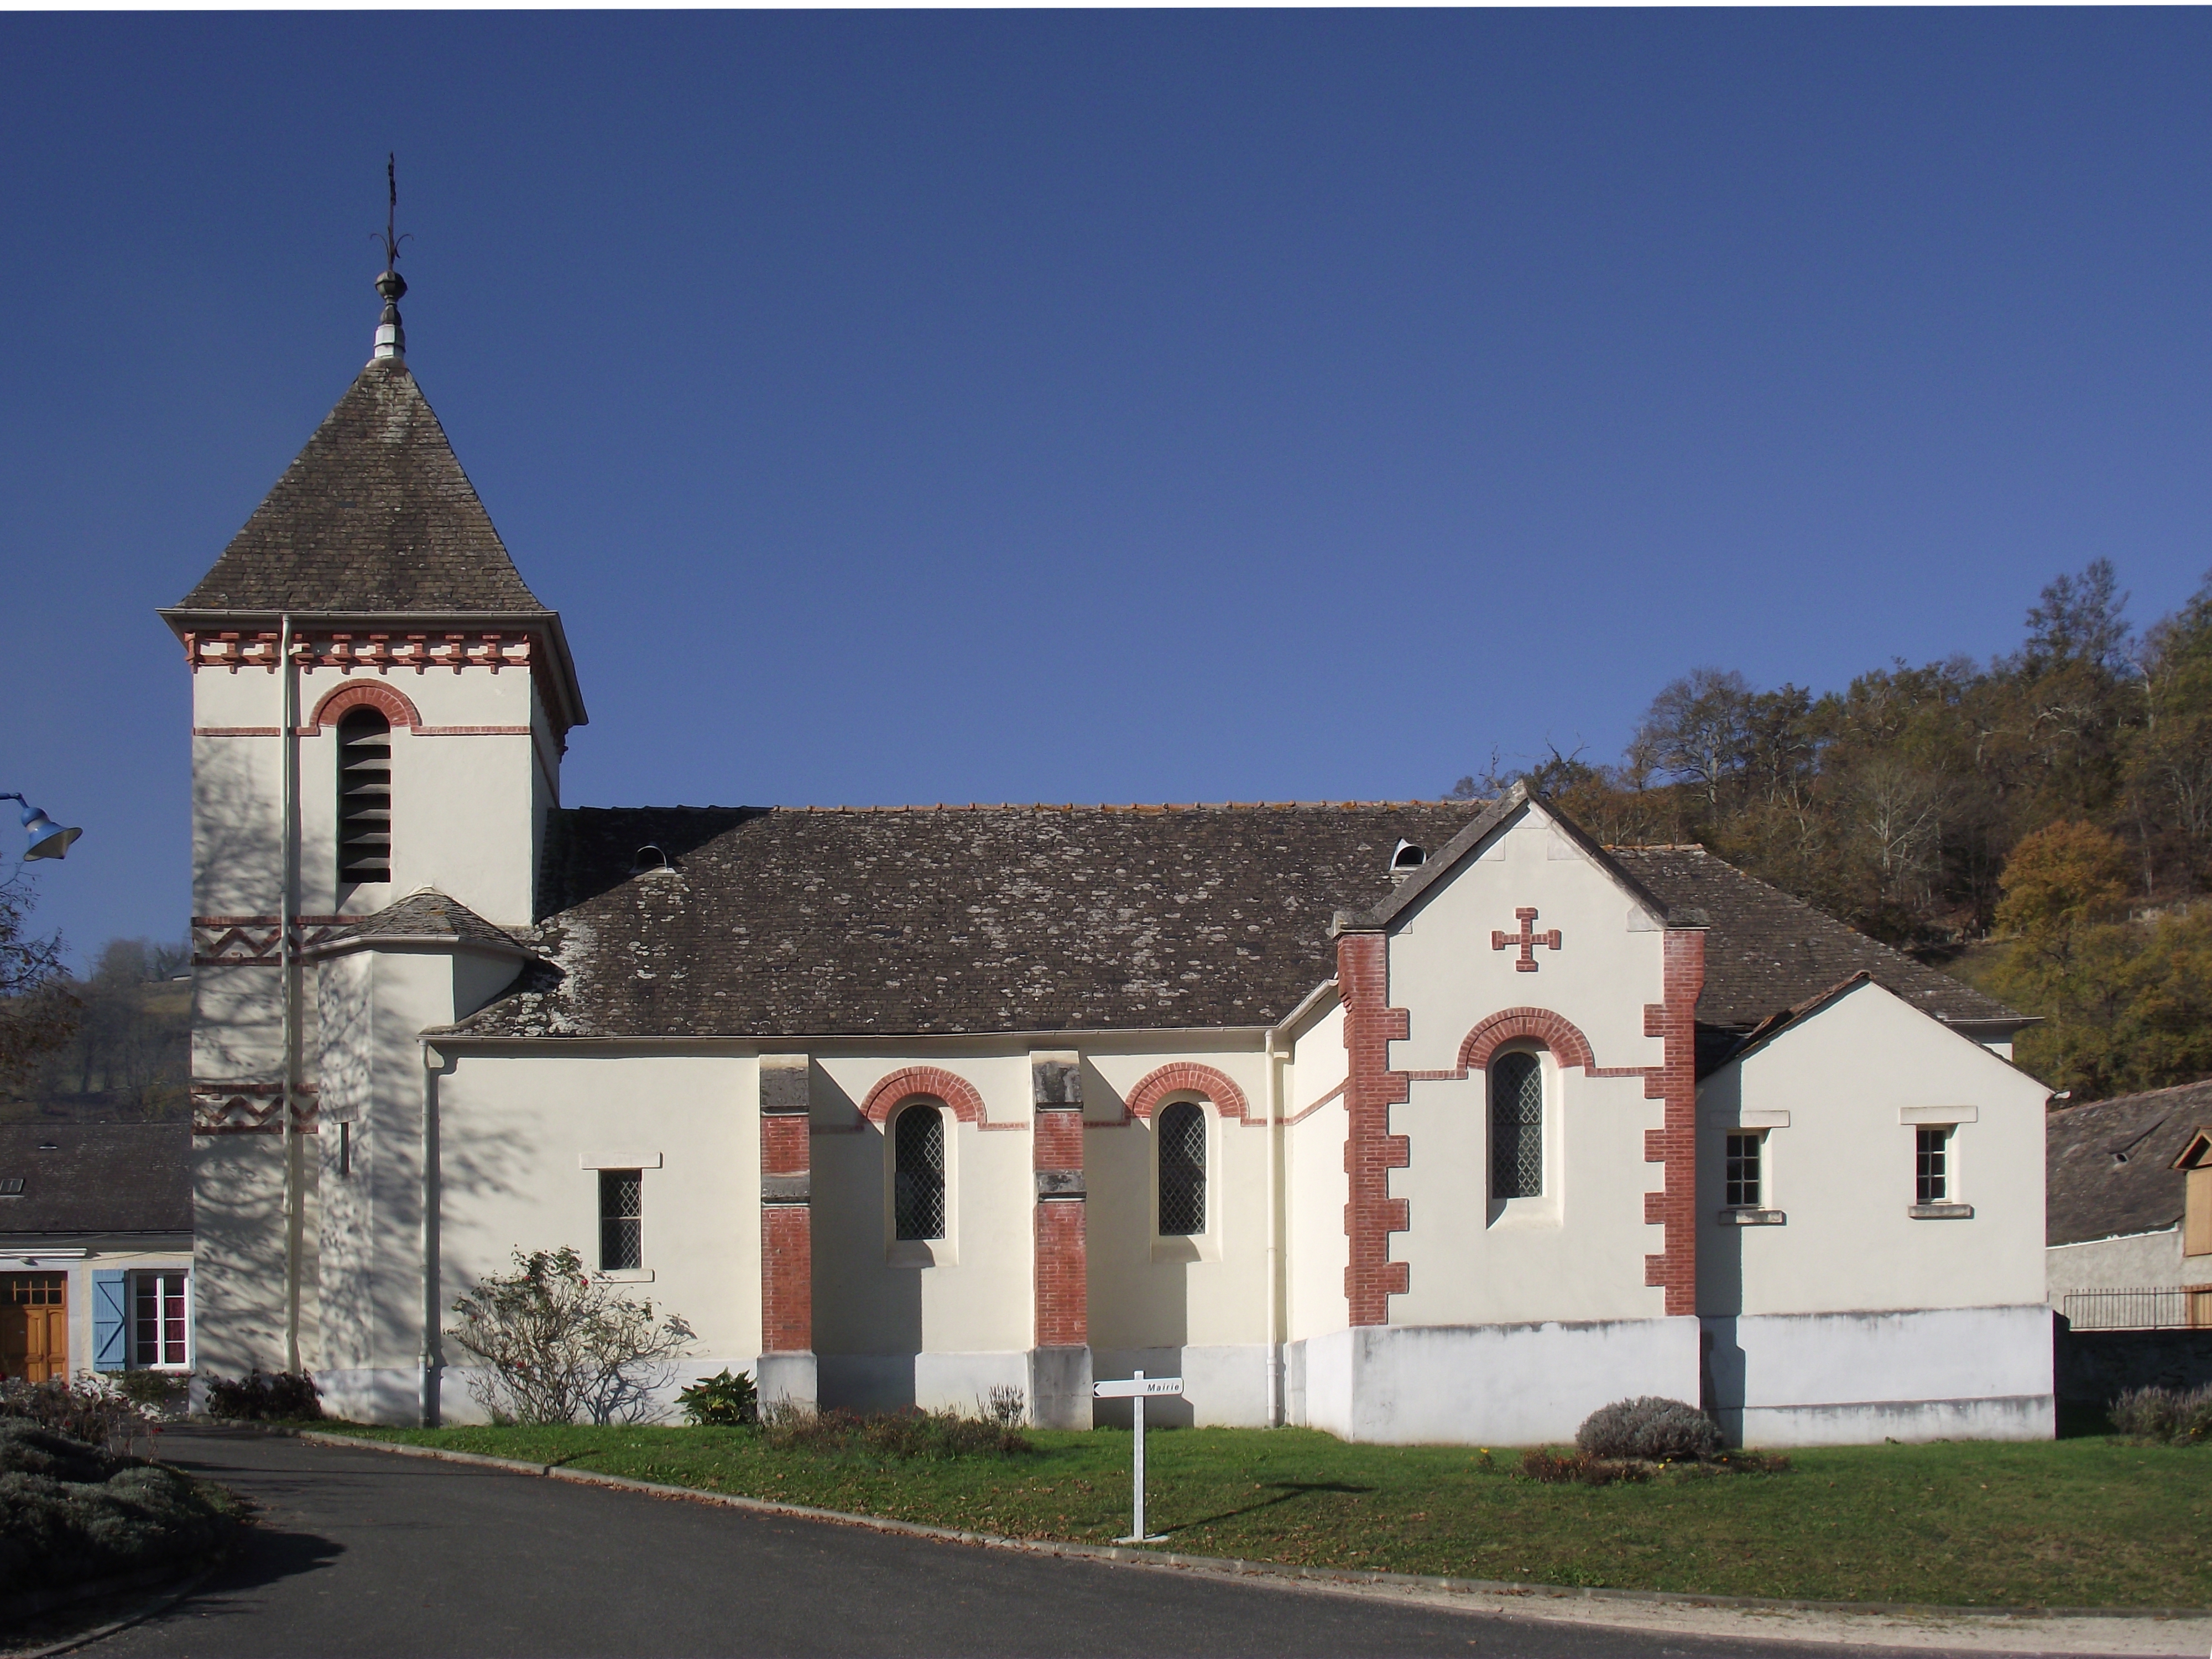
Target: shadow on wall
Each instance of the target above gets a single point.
(1139, 1281)
(867, 1313)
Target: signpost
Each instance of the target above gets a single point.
(1136, 1391)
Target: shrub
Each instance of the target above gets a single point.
(157, 1393)
(1006, 1405)
(902, 1435)
(2183, 1416)
(285, 1397)
(1652, 1428)
(70, 1512)
(721, 1400)
(87, 1409)
(558, 1345)
(1578, 1468)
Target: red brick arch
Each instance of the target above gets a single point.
(1568, 1045)
(934, 1081)
(393, 705)
(1185, 1077)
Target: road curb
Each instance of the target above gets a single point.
(1536, 1600)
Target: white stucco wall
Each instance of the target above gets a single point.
(521, 1137)
(1575, 1252)
(1509, 1385)
(1842, 1168)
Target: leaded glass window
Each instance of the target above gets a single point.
(1516, 1126)
(1182, 1169)
(918, 1173)
(622, 1220)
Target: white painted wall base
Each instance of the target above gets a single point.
(1225, 1386)
(1854, 1378)
(934, 1382)
(1508, 1385)
(389, 1395)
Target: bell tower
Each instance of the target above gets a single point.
(380, 706)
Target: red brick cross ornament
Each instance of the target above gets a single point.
(1528, 939)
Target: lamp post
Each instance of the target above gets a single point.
(48, 840)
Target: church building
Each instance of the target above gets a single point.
(1408, 1121)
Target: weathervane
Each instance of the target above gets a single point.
(390, 337)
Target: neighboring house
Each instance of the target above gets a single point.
(1407, 1120)
(2130, 1211)
(96, 1247)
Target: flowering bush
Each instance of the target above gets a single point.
(1652, 1428)
(557, 1344)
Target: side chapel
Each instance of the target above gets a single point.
(1407, 1120)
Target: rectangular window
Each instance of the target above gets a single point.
(1932, 1166)
(622, 1243)
(157, 1319)
(1746, 1189)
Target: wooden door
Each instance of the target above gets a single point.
(35, 1326)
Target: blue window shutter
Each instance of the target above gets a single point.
(111, 1303)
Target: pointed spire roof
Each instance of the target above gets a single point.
(375, 515)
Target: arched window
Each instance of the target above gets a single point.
(364, 797)
(1516, 1126)
(918, 1172)
(1182, 1169)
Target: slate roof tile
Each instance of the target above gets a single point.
(375, 514)
(97, 1178)
(1767, 951)
(2107, 1164)
(783, 922)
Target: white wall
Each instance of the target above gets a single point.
(1317, 1250)
(1509, 1385)
(1576, 1252)
(1842, 1169)
(516, 1131)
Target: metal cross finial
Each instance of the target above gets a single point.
(391, 210)
(391, 336)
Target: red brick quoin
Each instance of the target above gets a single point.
(1370, 1151)
(394, 705)
(1675, 1146)
(1187, 1078)
(787, 1225)
(934, 1081)
(1061, 1259)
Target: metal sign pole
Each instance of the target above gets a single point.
(1135, 1391)
(1137, 1532)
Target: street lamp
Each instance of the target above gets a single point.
(48, 840)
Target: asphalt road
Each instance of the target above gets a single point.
(368, 1554)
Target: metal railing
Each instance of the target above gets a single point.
(2162, 1307)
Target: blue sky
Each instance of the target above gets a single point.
(1108, 407)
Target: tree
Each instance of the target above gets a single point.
(1696, 730)
(37, 1012)
(557, 1344)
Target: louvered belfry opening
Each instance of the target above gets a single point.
(1182, 1171)
(918, 1173)
(1516, 1126)
(364, 797)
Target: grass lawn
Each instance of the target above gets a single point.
(2093, 1522)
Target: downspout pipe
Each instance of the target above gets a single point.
(1271, 1096)
(429, 1356)
(288, 955)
